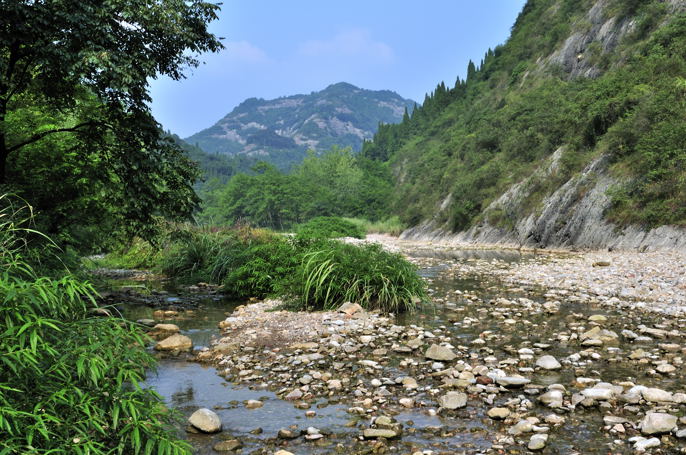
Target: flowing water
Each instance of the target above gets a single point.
(187, 385)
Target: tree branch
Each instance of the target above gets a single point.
(42, 134)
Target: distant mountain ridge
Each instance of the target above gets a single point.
(281, 130)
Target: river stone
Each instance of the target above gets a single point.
(285, 433)
(168, 328)
(598, 393)
(410, 383)
(175, 342)
(294, 395)
(512, 381)
(375, 433)
(643, 444)
(441, 353)
(206, 421)
(523, 426)
(552, 399)
(657, 395)
(666, 368)
(498, 413)
(453, 400)
(253, 404)
(658, 422)
(228, 446)
(537, 441)
(283, 452)
(548, 362)
(333, 384)
(406, 402)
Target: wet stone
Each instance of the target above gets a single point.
(658, 422)
(453, 400)
(548, 362)
(228, 446)
(537, 441)
(440, 353)
(206, 421)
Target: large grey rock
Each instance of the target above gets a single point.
(441, 353)
(537, 441)
(657, 395)
(175, 342)
(498, 413)
(511, 381)
(453, 400)
(599, 393)
(548, 362)
(206, 421)
(658, 422)
(523, 426)
(552, 399)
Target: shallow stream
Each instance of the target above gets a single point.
(465, 306)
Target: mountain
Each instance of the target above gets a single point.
(281, 130)
(572, 133)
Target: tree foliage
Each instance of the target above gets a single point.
(74, 110)
(337, 183)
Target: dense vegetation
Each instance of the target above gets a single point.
(78, 143)
(337, 183)
(70, 381)
(330, 227)
(77, 139)
(309, 271)
(518, 106)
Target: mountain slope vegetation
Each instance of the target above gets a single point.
(582, 110)
(280, 131)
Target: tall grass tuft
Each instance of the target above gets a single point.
(376, 279)
(69, 382)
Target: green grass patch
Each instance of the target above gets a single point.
(330, 227)
(392, 225)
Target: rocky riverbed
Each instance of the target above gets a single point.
(574, 353)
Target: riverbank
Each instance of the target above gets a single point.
(654, 281)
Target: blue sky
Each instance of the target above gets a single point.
(285, 47)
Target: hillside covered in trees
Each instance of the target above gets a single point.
(571, 133)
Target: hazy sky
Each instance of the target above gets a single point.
(285, 47)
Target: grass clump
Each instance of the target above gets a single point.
(333, 273)
(391, 226)
(330, 227)
(69, 381)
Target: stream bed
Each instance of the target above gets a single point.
(488, 323)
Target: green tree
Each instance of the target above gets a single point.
(74, 85)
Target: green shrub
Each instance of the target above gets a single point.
(330, 227)
(391, 226)
(257, 270)
(138, 254)
(334, 273)
(70, 382)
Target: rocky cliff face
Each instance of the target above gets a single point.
(341, 114)
(571, 217)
